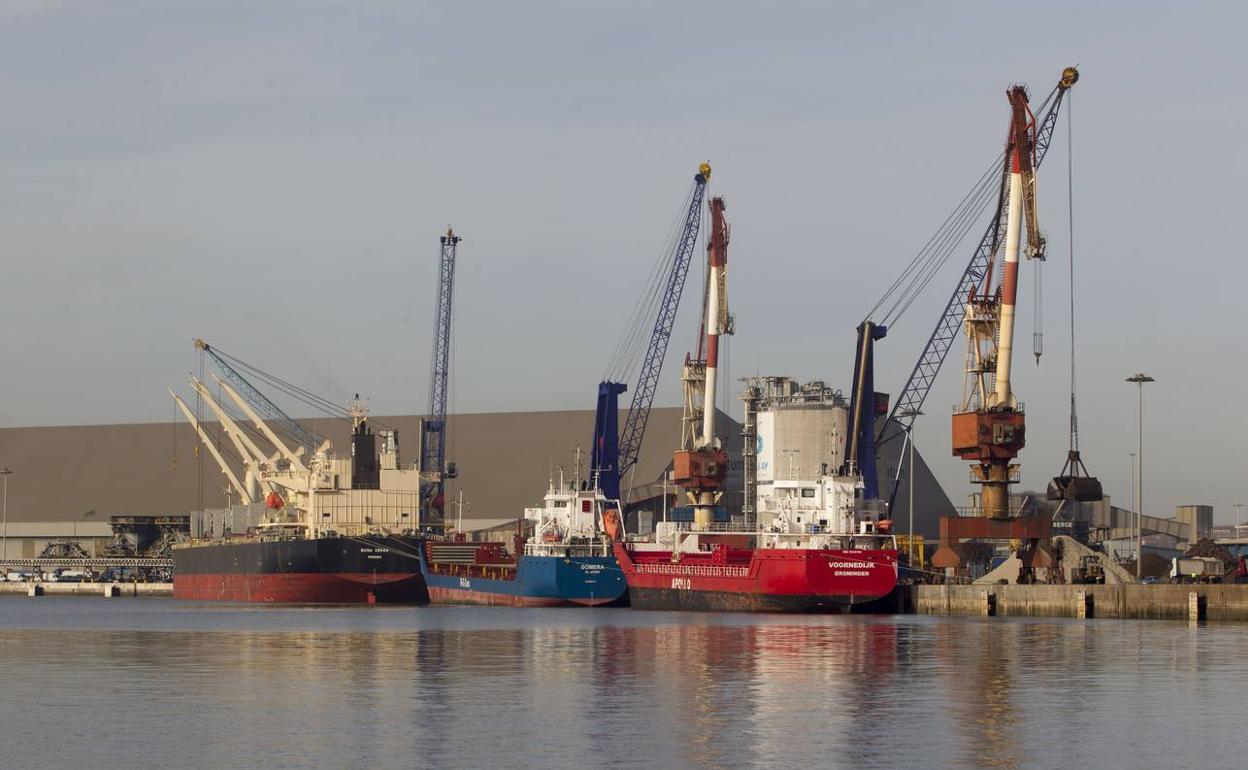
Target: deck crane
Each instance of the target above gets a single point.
(949, 327)
(433, 462)
(243, 491)
(307, 441)
(614, 452)
(256, 464)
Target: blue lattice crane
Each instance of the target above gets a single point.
(433, 428)
(614, 453)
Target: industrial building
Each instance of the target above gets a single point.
(79, 476)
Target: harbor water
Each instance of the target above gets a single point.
(155, 683)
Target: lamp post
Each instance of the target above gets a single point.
(1132, 481)
(1139, 379)
(912, 414)
(4, 549)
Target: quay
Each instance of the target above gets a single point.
(48, 588)
(1211, 602)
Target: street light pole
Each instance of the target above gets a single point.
(912, 414)
(4, 549)
(1139, 379)
(1132, 482)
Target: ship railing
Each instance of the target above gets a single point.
(845, 540)
(715, 526)
(702, 570)
(574, 548)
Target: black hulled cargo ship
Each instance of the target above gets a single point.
(334, 529)
(333, 569)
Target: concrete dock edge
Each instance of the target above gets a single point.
(1141, 602)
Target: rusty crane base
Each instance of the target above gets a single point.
(1033, 531)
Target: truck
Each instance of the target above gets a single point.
(1196, 569)
(1089, 571)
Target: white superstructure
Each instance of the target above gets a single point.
(569, 521)
(310, 496)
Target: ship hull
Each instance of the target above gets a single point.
(761, 580)
(535, 581)
(326, 570)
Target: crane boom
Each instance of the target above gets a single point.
(263, 427)
(433, 439)
(253, 396)
(949, 326)
(608, 461)
(244, 493)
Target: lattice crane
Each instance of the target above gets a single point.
(615, 452)
(433, 428)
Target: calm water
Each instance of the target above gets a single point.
(149, 683)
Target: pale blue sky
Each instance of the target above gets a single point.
(274, 176)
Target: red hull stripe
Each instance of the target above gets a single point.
(464, 596)
(303, 587)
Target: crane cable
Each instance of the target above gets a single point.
(926, 263)
(1070, 225)
(631, 346)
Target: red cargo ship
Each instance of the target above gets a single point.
(819, 547)
(757, 571)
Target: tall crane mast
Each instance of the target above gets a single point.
(699, 466)
(270, 411)
(912, 397)
(615, 452)
(433, 428)
(990, 427)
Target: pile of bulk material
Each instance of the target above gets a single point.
(1072, 554)
(1206, 547)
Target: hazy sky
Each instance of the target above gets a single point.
(273, 177)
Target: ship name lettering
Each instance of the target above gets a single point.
(682, 583)
(850, 564)
(464, 583)
(851, 573)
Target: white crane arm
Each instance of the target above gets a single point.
(262, 426)
(242, 490)
(247, 449)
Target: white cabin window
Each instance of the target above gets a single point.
(808, 492)
(560, 503)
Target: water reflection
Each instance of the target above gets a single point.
(539, 689)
